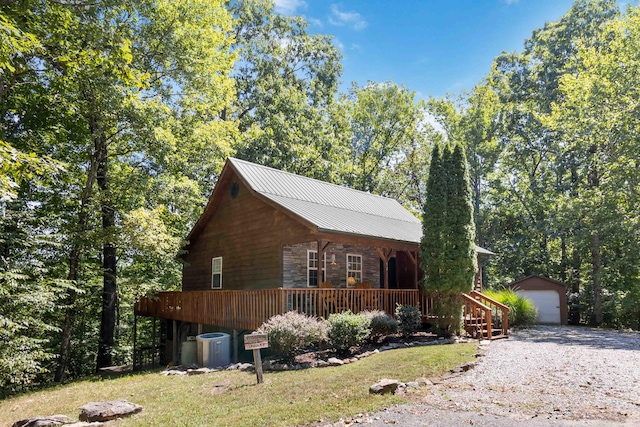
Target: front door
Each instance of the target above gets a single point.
(393, 282)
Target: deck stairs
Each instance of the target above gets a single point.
(485, 318)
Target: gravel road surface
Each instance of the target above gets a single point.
(564, 376)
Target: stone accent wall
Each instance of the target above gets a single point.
(294, 264)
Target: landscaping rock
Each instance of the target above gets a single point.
(463, 368)
(84, 424)
(200, 371)
(424, 382)
(334, 361)
(322, 364)
(52, 420)
(174, 372)
(413, 384)
(246, 367)
(233, 367)
(106, 411)
(384, 386)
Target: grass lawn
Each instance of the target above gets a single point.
(284, 399)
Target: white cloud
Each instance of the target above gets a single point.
(350, 19)
(338, 44)
(315, 22)
(289, 7)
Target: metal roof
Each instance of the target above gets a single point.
(328, 206)
(334, 208)
(331, 207)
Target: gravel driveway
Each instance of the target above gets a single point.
(565, 376)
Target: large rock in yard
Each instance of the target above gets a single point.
(105, 411)
(52, 420)
(384, 386)
(334, 361)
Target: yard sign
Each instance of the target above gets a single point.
(255, 342)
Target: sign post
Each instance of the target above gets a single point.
(255, 342)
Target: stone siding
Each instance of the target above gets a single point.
(294, 264)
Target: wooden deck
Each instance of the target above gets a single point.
(249, 309)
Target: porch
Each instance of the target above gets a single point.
(247, 310)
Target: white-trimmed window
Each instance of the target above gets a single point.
(312, 268)
(354, 268)
(216, 273)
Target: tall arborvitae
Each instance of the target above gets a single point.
(432, 247)
(447, 249)
(461, 228)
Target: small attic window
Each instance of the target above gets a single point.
(235, 188)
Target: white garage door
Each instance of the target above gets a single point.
(547, 302)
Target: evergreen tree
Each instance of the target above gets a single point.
(447, 246)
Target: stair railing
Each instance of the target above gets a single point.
(501, 310)
(477, 316)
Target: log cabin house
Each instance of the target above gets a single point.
(270, 241)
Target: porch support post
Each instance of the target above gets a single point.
(414, 259)
(153, 343)
(135, 339)
(319, 260)
(415, 270)
(384, 256)
(174, 357)
(235, 346)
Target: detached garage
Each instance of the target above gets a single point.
(548, 295)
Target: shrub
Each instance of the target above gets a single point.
(381, 324)
(292, 332)
(347, 330)
(410, 319)
(522, 312)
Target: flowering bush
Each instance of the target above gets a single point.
(292, 332)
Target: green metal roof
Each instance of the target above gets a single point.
(334, 208)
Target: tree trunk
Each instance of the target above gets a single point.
(109, 291)
(596, 261)
(574, 309)
(72, 276)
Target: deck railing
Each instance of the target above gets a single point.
(477, 317)
(249, 309)
(500, 312)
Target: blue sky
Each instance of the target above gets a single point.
(433, 47)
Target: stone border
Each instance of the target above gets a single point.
(270, 365)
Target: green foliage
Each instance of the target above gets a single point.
(522, 312)
(292, 332)
(409, 319)
(390, 142)
(26, 301)
(380, 323)
(447, 249)
(347, 330)
(286, 86)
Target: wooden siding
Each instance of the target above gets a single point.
(249, 235)
(249, 309)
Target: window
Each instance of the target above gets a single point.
(354, 269)
(312, 268)
(216, 273)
